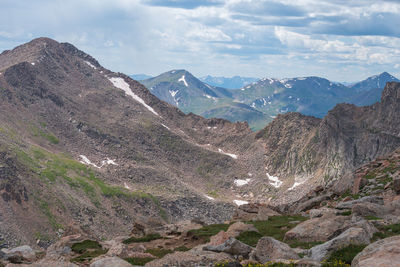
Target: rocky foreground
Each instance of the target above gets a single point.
(328, 229)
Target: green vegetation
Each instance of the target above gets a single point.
(277, 226)
(44, 207)
(208, 230)
(343, 256)
(36, 131)
(138, 261)
(387, 231)
(51, 167)
(158, 252)
(249, 237)
(372, 218)
(88, 249)
(85, 245)
(346, 213)
(182, 248)
(146, 238)
(349, 194)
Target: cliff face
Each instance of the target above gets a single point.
(322, 151)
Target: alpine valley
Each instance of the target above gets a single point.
(98, 170)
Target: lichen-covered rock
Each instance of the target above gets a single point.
(356, 236)
(231, 246)
(382, 253)
(193, 258)
(110, 262)
(235, 229)
(268, 249)
(319, 229)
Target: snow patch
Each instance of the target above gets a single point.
(250, 174)
(210, 198)
(275, 181)
(123, 85)
(241, 182)
(182, 79)
(296, 184)
(108, 162)
(91, 65)
(173, 94)
(86, 161)
(240, 202)
(228, 154)
(127, 186)
(33, 63)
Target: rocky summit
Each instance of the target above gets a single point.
(95, 170)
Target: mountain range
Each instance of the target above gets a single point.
(261, 101)
(80, 144)
(234, 82)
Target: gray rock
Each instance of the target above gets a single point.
(369, 209)
(110, 262)
(309, 204)
(352, 235)
(385, 252)
(319, 229)
(19, 254)
(231, 246)
(268, 249)
(314, 213)
(349, 204)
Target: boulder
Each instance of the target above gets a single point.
(61, 250)
(218, 239)
(369, 209)
(349, 204)
(19, 254)
(268, 249)
(314, 213)
(193, 258)
(382, 253)
(309, 204)
(356, 236)
(237, 228)
(319, 229)
(45, 263)
(231, 246)
(110, 262)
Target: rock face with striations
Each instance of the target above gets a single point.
(324, 151)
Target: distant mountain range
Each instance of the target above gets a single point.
(235, 82)
(140, 77)
(260, 101)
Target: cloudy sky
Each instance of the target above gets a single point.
(341, 40)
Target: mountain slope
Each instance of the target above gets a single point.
(235, 82)
(81, 144)
(327, 150)
(189, 94)
(309, 95)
